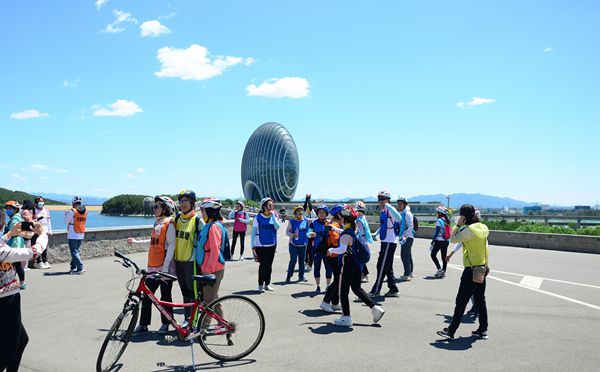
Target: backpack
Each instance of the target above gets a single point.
(360, 251)
(447, 231)
(415, 223)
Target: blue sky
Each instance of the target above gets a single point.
(109, 97)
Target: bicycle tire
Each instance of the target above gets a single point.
(120, 335)
(249, 322)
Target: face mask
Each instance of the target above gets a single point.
(40, 205)
(10, 212)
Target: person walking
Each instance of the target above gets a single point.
(363, 233)
(264, 242)
(351, 270)
(240, 225)
(297, 232)
(187, 225)
(13, 210)
(317, 231)
(311, 215)
(388, 234)
(441, 240)
(406, 237)
(160, 259)
(473, 235)
(41, 214)
(14, 338)
(76, 220)
(331, 300)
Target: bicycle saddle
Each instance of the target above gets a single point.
(205, 279)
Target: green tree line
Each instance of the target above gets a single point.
(19, 196)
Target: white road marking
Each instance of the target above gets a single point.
(532, 281)
(456, 267)
(548, 279)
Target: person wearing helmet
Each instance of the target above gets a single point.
(42, 214)
(406, 237)
(389, 218)
(240, 225)
(264, 242)
(211, 243)
(331, 300)
(317, 231)
(441, 240)
(187, 225)
(351, 270)
(160, 259)
(311, 215)
(297, 232)
(13, 212)
(75, 220)
(363, 233)
(14, 337)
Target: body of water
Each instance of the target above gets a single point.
(95, 219)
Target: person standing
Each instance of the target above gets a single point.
(388, 220)
(240, 225)
(473, 235)
(440, 240)
(311, 215)
(331, 300)
(363, 233)
(41, 214)
(406, 236)
(75, 220)
(14, 338)
(351, 270)
(160, 259)
(264, 242)
(13, 210)
(317, 231)
(187, 226)
(297, 232)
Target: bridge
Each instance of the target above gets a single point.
(544, 311)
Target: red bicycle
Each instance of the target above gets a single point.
(227, 329)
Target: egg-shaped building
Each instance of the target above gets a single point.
(270, 164)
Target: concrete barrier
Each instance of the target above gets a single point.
(100, 242)
(555, 242)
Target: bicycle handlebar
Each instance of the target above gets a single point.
(129, 261)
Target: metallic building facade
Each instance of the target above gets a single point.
(270, 164)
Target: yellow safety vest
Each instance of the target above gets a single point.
(185, 233)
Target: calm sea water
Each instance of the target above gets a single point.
(95, 219)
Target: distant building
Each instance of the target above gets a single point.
(582, 208)
(533, 209)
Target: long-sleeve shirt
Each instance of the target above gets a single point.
(168, 265)
(255, 241)
(407, 226)
(212, 250)
(393, 216)
(71, 234)
(37, 213)
(231, 216)
(9, 281)
(438, 234)
(364, 231)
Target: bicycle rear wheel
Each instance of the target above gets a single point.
(239, 313)
(117, 339)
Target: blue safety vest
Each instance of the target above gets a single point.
(301, 228)
(267, 234)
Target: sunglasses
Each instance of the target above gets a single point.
(156, 206)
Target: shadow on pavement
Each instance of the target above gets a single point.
(57, 273)
(314, 313)
(461, 343)
(158, 338)
(205, 366)
(310, 294)
(465, 319)
(329, 328)
(431, 277)
(248, 292)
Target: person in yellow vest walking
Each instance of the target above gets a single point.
(187, 226)
(160, 259)
(75, 221)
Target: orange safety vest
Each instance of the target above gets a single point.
(157, 252)
(79, 221)
(333, 239)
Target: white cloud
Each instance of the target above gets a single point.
(18, 176)
(194, 63)
(292, 87)
(475, 101)
(100, 3)
(130, 176)
(140, 170)
(28, 114)
(120, 107)
(70, 84)
(547, 49)
(170, 15)
(153, 29)
(39, 166)
(121, 17)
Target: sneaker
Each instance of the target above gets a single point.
(45, 265)
(377, 312)
(269, 288)
(374, 294)
(27, 268)
(404, 278)
(140, 329)
(261, 288)
(303, 280)
(185, 324)
(392, 294)
(326, 307)
(79, 272)
(344, 321)
(472, 313)
(445, 333)
(318, 290)
(364, 279)
(480, 334)
(336, 307)
(412, 276)
(23, 286)
(163, 329)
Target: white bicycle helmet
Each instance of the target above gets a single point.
(384, 194)
(167, 202)
(441, 209)
(211, 203)
(77, 199)
(360, 206)
(264, 201)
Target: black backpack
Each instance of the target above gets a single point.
(415, 223)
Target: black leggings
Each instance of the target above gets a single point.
(332, 295)
(309, 252)
(20, 270)
(165, 295)
(14, 337)
(43, 257)
(467, 289)
(265, 260)
(440, 245)
(351, 273)
(242, 236)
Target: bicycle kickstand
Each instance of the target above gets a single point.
(193, 359)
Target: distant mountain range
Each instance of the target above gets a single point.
(20, 196)
(65, 198)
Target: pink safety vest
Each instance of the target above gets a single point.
(239, 226)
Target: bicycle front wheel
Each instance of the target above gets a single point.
(240, 332)
(117, 339)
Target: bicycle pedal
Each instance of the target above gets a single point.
(170, 339)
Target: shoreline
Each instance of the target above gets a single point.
(91, 208)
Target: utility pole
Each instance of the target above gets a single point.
(448, 197)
